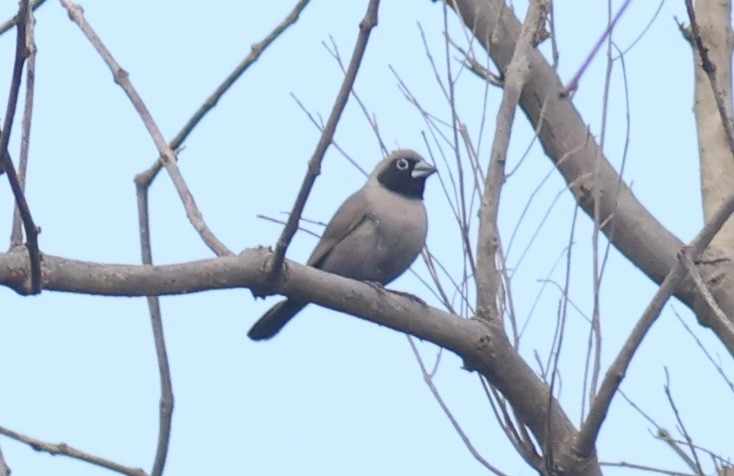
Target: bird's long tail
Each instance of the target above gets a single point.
(273, 321)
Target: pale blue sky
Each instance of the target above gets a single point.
(331, 394)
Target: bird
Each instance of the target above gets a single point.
(375, 235)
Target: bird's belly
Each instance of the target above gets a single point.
(381, 247)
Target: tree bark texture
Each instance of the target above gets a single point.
(716, 160)
(566, 140)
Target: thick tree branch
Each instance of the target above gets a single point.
(482, 346)
(589, 431)
(590, 177)
(711, 42)
(593, 181)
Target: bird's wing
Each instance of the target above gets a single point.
(346, 219)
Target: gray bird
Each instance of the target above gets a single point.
(374, 236)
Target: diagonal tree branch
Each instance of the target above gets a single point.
(65, 450)
(595, 185)
(16, 235)
(9, 24)
(590, 177)
(256, 50)
(31, 231)
(327, 136)
(167, 155)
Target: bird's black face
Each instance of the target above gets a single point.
(406, 175)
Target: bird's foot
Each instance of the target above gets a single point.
(412, 297)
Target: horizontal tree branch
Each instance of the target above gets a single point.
(481, 347)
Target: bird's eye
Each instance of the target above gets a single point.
(402, 164)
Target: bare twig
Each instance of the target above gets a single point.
(574, 83)
(283, 222)
(165, 409)
(333, 49)
(625, 464)
(314, 164)
(428, 379)
(595, 335)
(255, 51)
(717, 365)
(470, 62)
(561, 320)
(643, 32)
(619, 184)
(694, 462)
(9, 24)
(586, 437)
(65, 450)
(320, 126)
(462, 212)
(703, 289)
(722, 465)
(16, 236)
(31, 231)
(434, 123)
(516, 432)
(167, 154)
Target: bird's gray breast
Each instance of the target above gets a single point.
(386, 241)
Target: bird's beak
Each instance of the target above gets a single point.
(422, 169)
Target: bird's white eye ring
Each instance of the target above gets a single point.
(402, 164)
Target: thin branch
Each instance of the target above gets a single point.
(586, 437)
(433, 123)
(461, 212)
(320, 126)
(595, 333)
(314, 164)
(717, 365)
(574, 83)
(63, 449)
(517, 433)
(371, 119)
(644, 31)
(167, 155)
(487, 276)
(283, 222)
(16, 235)
(624, 464)
(255, 51)
(165, 409)
(31, 231)
(9, 24)
(428, 379)
(695, 463)
(703, 289)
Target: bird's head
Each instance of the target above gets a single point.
(404, 172)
